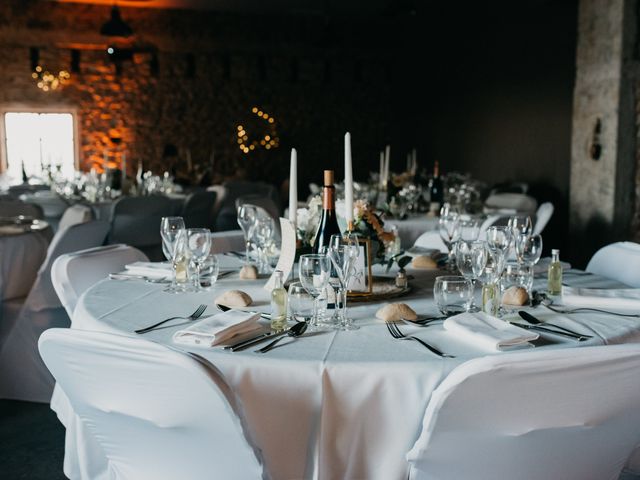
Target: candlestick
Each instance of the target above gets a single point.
(348, 179)
(293, 187)
(387, 157)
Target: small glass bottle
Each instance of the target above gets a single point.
(554, 285)
(278, 304)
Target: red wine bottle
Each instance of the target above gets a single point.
(329, 222)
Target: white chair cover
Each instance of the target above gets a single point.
(543, 215)
(73, 273)
(619, 261)
(23, 376)
(510, 203)
(568, 414)
(53, 206)
(431, 240)
(14, 208)
(229, 241)
(75, 214)
(141, 402)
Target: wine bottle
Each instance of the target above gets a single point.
(436, 189)
(329, 222)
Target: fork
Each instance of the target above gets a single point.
(588, 309)
(423, 321)
(194, 316)
(396, 333)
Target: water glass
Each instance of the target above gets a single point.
(173, 246)
(199, 246)
(449, 233)
(469, 230)
(471, 259)
(247, 215)
(314, 271)
(518, 275)
(263, 233)
(452, 294)
(300, 302)
(209, 270)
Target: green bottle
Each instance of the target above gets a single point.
(554, 285)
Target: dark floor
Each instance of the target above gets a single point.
(31, 442)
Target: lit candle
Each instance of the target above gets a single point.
(387, 157)
(348, 181)
(293, 187)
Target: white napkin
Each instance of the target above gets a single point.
(488, 332)
(149, 269)
(218, 328)
(607, 299)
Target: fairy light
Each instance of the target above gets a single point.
(47, 81)
(248, 143)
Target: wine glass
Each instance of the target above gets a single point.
(450, 233)
(469, 229)
(263, 234)
(247, 215)
(490, 277)
(499, 238)
(199, 245)
(343, 252)
(520, 225)
(170, 228)
(471, 259)
(314, 271)
(528, 248)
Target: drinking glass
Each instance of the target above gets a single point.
(471, 259)
(469, 229)
(170, 228)
(209, 272)
(528, 248)
(263, 234)
(452, 294)
(520, 225)
(499, 238)
(490, 277)
(199, 245)
(518, 275)
(247, 215)
(314, 271)
(343, 252)
(300, 302)
(450, 233)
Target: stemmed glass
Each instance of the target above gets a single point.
(170, 230)
(450, 233)
(263, 233)
(247, 215)
(499, 238)
(528, 248)
(490, 278)
(520, 225)
(314, 271)
(469, 229)
(343, 252)
(199, 245)
(471, 259)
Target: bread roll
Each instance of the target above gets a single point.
(393, 312)
(515, 296)
(423, 261)
(234, 298)
(248, 272)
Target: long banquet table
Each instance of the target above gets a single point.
(332, 404)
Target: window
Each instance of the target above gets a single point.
(39, 141)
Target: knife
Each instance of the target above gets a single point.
(252, 341)
(533, 320)
(580, 338)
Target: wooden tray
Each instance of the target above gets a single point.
(384, 288)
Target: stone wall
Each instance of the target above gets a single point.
(196, 77)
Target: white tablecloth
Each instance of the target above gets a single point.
(412, 227)
(331, 404)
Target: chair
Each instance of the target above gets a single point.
(75, 214)
(568, 414)
(228, 241)
(619, 261)
(433, 240)
(225, 211)
(135, 221)
(23, 376)
(156, 413)
(73, 273)
(265, 203)
(510, 203)
(543, 215)
(16, 207)
(197, 209)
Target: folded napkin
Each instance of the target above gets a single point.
(149, 269)
(607, 299)
(218, 328)
(488, 332)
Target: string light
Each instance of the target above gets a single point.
(47, 81)
(267, 141)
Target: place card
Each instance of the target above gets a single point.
(287, 252)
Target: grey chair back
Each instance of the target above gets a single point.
(15, 208)
(197, 210)
(226, 217)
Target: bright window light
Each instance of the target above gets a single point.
(39, 141)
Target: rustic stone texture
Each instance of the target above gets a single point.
(602, 191)
(239, 62)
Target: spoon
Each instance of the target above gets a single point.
(527, 317)
(295, 331)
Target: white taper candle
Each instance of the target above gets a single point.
(348, 179)
(293, 187)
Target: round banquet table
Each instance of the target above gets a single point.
(330, 404)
